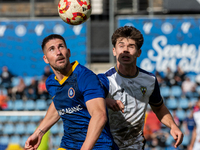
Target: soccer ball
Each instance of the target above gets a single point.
(74, 12)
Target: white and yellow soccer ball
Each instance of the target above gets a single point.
(74, 12)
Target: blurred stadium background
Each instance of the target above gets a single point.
(171, 33)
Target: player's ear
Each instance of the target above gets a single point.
(45, 59)
(69, 52)
(114, 51)
(139, 52)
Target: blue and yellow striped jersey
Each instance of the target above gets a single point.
(70, 96)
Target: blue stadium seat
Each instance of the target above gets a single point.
(23, 140)
(192, 77)
(56, 140)
(38, 78)
(169, 140)
(30, 128)
(29, 105)
(181, 114)
(198, 89)
(176, 91)
(27, 80)
(183, 103)
(189, 112)
(192, 94)
(10, 106)
(18, 105)
(15, 139)
(24, 119)
(41, 104)
(35, 118)
(4, 140)
(3, 119)
(55, 129)
(165, 91)
(186, 140)
(20, 129)
(49, 101)
(1, 127)
(8, 129)
(13, 119)
(193, 101)
(15, 81)
(172, 103)
(3, 90)
(61, 129)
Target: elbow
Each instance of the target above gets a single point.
(103, 118)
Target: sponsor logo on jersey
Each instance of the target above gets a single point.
(143, 89)
(70, 110)
(71, 92)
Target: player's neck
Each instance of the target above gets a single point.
(61, 74)
(127, 70)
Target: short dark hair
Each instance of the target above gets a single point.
(128, 32)
(50, 37)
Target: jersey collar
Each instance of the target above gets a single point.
(127, 76)
(68, 74)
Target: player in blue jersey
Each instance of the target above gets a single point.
(78, 98)
(131, 89)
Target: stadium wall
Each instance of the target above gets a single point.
(168, 41)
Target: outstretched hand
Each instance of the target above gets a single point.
(177, 135)
(115, 105)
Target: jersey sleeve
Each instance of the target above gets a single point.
(90, 86)
(50, 85)
(156, 99)
(105, 82)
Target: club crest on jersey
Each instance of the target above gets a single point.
(143, 89)
(71, 92)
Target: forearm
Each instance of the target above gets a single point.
(168, 120)
(193, 137)
(164, 116)
(49, 120)
(96, 125)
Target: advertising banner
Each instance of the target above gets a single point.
(168, 42)
(20, 43)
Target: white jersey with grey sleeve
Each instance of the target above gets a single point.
(136, 93)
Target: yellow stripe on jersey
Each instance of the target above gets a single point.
(53, 97)
(61, 149)
(68, 74)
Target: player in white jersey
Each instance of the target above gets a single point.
(131, 89)
(195, 141)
